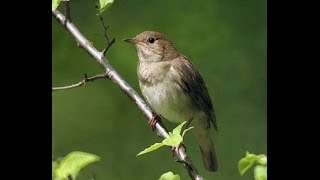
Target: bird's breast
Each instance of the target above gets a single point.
(166, 96)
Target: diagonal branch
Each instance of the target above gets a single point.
(179, 153)
(81, 83)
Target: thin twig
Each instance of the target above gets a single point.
(105, 28)
(180, 153)
(108, 46)
(81, 83)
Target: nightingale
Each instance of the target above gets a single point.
(175, 90)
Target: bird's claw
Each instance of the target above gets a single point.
(153, 121)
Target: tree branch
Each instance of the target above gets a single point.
(179, 153)
(81, 83)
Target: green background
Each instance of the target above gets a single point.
(225, 39)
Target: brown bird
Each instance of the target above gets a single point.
(175, 90)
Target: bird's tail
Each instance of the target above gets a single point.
(208, 153)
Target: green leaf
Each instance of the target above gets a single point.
(104, 4)
(169, 176)
(262, 159)
(246, 162)
(173, 140)
(175, 137)
(151, 148)
(177, 130)
(249, 160)
(73, 163)
(260, 172)
(54, 168)
(55, 4)
(184, 132)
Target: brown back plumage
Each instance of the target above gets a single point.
(192, 82)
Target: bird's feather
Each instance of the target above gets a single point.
(192, 82)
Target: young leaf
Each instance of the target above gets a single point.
(177, 130)
(262, 159)
(104, 4)
(54, 168)
(55, 4)
(151, 148)
(173, 140)
(246, 162)
(73, 163)
(260, 172)
(169, 176)
(184, 132)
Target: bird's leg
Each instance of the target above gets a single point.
(154, 120)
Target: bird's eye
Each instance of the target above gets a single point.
(151, 40)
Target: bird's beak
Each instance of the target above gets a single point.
(131, 40)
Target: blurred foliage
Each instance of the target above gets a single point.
(55, 4)
(104, 5)
(225, 40)
(68, 167)
(260, 163)
(169, 176)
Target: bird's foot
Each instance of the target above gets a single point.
(153, 121)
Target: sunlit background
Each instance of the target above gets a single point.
(225, 40)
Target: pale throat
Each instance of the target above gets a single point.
(148, 54)
(151, 73)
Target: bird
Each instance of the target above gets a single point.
(175, 90)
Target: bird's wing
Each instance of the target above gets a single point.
(192, 82)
